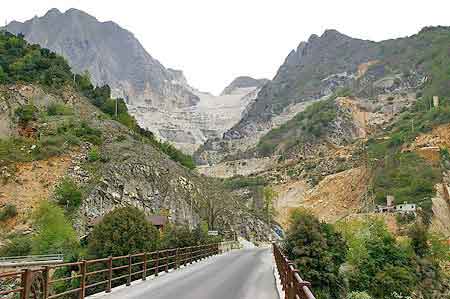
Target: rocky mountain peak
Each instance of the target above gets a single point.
(243, 82)
(111, 55)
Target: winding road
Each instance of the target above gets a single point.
(240, 274)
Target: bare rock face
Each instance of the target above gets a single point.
(189, 127)
(160, 98)
(111, 55)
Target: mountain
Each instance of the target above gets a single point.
(243, 82)
(322, 66)
(56, 132)
(160, 98)
(189, 127)
(111, 55)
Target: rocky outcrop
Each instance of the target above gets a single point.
(130, 172)
(111, 55)
(189, 127)
(243, 82)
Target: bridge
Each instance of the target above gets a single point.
(205, 271)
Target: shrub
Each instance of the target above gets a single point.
(7, 212)
(68, 194)
(54, 233)
(123, 231)
(318, 251)
(58, 109)
(18, 245)
(93, 154)
(26, 113)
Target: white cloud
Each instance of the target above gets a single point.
(214, 41)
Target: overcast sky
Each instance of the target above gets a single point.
(214, 41)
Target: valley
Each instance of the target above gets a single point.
(342, 156)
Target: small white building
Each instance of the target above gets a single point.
(406, 208)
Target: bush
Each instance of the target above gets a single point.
(26, 113)
(93, 154)
(58, 109)
(68, 194)
(18, 245)
(7, 212)
(318, 251)
(123, 231)
(54, 233)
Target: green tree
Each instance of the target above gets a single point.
(318, 251)
(54, 233)
(123, 231)
(419, 239)
(269, 196)
(68, 194)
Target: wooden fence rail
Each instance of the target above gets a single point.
(293, 285)
(82, 278)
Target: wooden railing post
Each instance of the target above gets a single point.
(144, 267)
(46, 274)
(26, 283)
(129, 271)
(157, 263)
(176, 259)
(83, 279)
(110, 272)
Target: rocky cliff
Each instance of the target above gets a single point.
(160, 98)
(127, 171)
(111, 55)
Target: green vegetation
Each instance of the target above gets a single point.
(26, 113)
(17, 245)
(305, 126)
(68, 194)
(54, 233)
(54, 109)
(385, 268)
(239, 182)
(318, 250)
(54, 141)
(93, 154)
(123, 231)
(21, 62)
(7, 212)
(358, 295)
(408, 177)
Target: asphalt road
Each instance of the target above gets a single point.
(241, 274)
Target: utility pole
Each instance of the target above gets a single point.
(116, 106)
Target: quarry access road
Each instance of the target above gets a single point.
(239, 274)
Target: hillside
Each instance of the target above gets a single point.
(332, 62)
(57, 135)
(159, 98)
(374, 130)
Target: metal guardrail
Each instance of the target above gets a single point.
(31, 259)
(94, 276)
(293, 285)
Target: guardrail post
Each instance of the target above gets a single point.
(110, 272)
(83, 279)
(26, 283)
(46, 274)
(176, 259)
(157, 263)
(129, 271)
(144, 267)
(167, 261)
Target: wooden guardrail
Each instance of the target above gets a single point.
(93, 276)
(293, 285)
